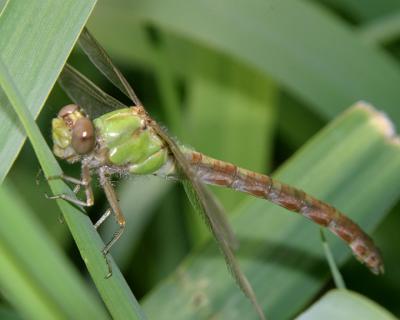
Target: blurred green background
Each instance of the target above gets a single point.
(249, 82)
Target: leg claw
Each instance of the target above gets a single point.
(109, 274)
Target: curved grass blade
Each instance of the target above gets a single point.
(382, 31)
(3, 5)
(281, 252)
(336, 275)
(166, 86)
(115, 292)
(7, 313)
(36, 38)
(301, 58)
(366, 11)
(345, 304)
(31, 265)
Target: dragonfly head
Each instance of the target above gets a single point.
(73, 133)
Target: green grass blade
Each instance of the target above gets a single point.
(336, 275)
(222, 101)
(167, 88)
(31, 266)
(136, 49)
(281, 40)
(351, 164)
(36, 38)
(114, 291)
(3, 5)
(221, 105)
(366, 10)
(7, 313)
(344, 304)
(382, 30)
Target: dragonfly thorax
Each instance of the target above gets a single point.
(73, 134)
(129, 143)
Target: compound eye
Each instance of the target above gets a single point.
(67, 110)
(83, 136)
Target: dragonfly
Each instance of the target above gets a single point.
(108, 137)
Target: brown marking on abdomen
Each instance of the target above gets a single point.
(196, 157)
(221, 173)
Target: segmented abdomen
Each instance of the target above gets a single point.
(216, 172)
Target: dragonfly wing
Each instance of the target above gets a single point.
(220, 218)
(194, 188)
(99, 57)
(102, 61)
(199, 197)
(86, 94)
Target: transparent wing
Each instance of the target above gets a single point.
(220, 218)
(102, 61)
(86, 94)
(198, 195)
(207, 207)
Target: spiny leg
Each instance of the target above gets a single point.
(102, 218)
(38, 176)
(77, 182)
(113, 201)
(63, 177)
(84, 181)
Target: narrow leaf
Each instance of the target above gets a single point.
(279, 38)
(114, 291)
(31, 266)
(34, 48)
(344, 304)
(280, 251)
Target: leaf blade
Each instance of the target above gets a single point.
(33, 264)
(49, 38)
(115, 292)
(280, 251)
(303, 59)
(344, 304)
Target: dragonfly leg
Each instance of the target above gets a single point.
(103, 218)
(38, 175)
(73, 180)
(71, 199)
(113, 201)
(84, 181)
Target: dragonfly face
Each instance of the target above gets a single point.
(73, 134)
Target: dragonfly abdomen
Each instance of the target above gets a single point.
(220, 173)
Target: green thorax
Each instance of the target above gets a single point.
(129, 142)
